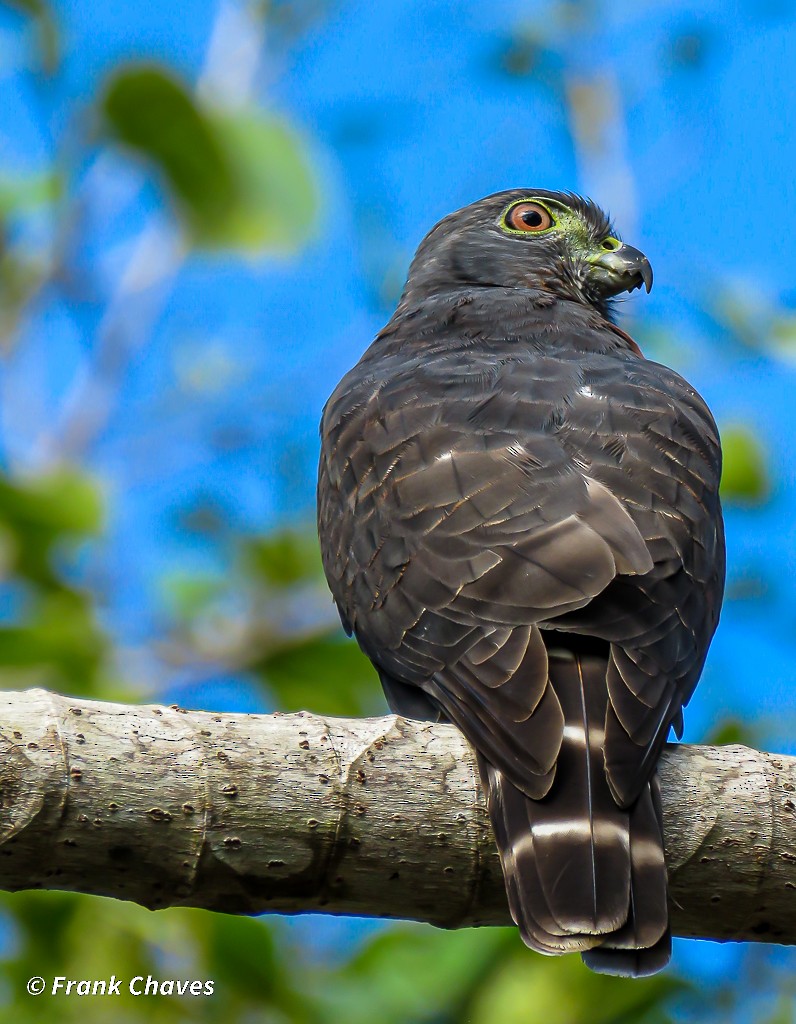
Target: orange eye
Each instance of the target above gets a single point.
(528, 217)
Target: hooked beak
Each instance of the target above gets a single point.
(620, 270)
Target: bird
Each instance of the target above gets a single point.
(520, 524)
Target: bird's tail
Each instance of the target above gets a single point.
(583, 874)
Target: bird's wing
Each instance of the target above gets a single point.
(453, 544)
(657, 450)
(461, 514)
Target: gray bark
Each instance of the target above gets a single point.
(379, 817)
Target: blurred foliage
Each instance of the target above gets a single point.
(87, 937)
(271, 614)
(744, 478)
(283, 559)
(755, 320)
(319, 668)
(733, 730)
(48, 632)
(18, 285)
(325, 673)
(28, 193)
(239, 179)
(404, 975)
(42, 18)
(482, 976)
(152, 113)
(22, 273)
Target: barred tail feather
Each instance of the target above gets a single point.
(583, 874)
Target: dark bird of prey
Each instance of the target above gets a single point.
(520, 524)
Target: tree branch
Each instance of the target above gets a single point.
(379, 817)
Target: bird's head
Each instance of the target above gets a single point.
(552, 242)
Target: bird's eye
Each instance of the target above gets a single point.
(528, 217)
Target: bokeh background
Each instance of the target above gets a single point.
(206, 212)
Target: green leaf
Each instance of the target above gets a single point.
(62, 502)
(38, 512)
(239, 180)
(276, 200)
(154, 114)
(189, 594)
(256, 978)
(744, 477)
(560, 990)
(733, 730)
(53, 639)
(283, 558)
(328, 674)
(444, 968)
(28, 192)
(59, 638)
(39, 515)
(251, 963)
